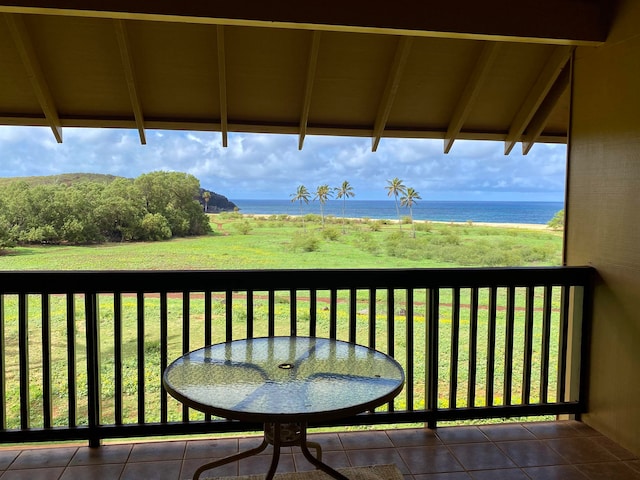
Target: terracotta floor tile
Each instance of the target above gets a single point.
(608, 471)
(261, 464)
(43, 457)
(102, 455)
(502, 433)
(531, 453)
(211, 448)
(377, 456)
(451, 435)
(501, 474)
(189, 466)
(555, 472)
(581, 450)
(335, 459)
(481, 456)
(157, 470)
(369, 439)
(429, 459)
(154, 451)
(111, 471)
(561, 429)
(443, 476)
(7, 457)
(51, 473)
(409, 437)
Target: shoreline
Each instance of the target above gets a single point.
(527, 226)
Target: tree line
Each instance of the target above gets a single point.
(154, 206)
(407, 196)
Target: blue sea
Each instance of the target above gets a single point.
(439, 211)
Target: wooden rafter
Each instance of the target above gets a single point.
(34, 71)
(222, 82)
(308, 90)
(470, 93)
(129, 73)
(393, 81)
(539, 121)
(537, 94)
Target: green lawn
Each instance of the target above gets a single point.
(242, 242)
(263, 243)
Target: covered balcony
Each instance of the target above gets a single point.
(527, 72)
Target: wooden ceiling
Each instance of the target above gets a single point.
(491, 70)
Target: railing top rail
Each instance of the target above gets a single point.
(154, 281)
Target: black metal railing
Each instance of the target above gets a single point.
(82, 353)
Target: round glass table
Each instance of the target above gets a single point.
(284, 383)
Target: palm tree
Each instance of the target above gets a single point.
(395, 187)
(323, 193)
(206, 196)
(301, 195)
(344, 191)
(407, 200)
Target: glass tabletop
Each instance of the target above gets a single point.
(275, 379)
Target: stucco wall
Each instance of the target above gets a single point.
(603, 219)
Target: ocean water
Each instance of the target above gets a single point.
(449, 211)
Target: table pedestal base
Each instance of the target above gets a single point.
(279, 435)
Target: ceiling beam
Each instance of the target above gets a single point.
(130, 77)
(539, 121)
(576, 22)
(308, 86)
(470, 94)
(391, 89)
(222, 82)
(537, 94)
(34, 71)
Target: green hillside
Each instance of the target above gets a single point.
(66, 178)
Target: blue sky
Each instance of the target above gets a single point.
(256, 166)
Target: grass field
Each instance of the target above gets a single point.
(241, 242)
(245, 242)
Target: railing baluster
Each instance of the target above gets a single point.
(46, 361)
(117, 356)
(92, 323)
(313, 312)
(71, 360)
(455, 346)
(391, 321)
(186, 337)
(23, 358)
(228, 315)
(432, 353)
(272, 313)
(141, 356)
(563, 342)
(250, 314)
(492, 316)
(528, 346)
(164, 354)
(508, 348)
(545, 350)
(3, 364)
(293, 312)
(353, 314)
(372, 317)
(409, 352)
(473, 347)
(208, 330)
(333, 313)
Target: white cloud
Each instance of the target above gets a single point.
(271, 166)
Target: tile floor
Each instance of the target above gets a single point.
(564, 450)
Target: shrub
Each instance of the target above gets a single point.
(243, 228)
(155, 227)
(331, 233)
(557, 222)
(305, 243)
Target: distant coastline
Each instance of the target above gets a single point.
(513, 213)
